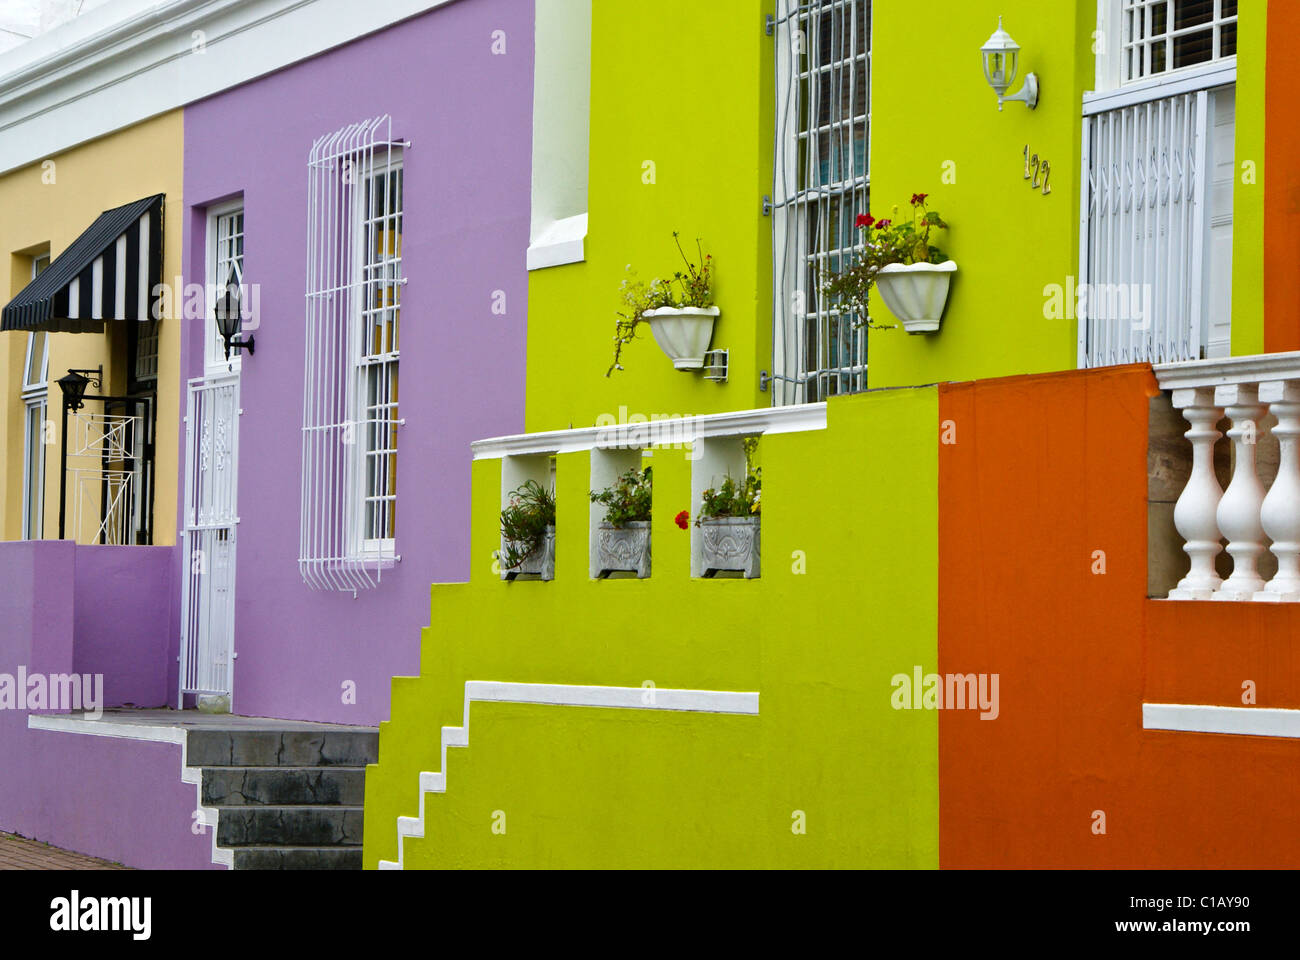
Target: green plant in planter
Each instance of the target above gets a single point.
(886, 242)
(694, 288)
(731, 499)
(524, 521)
(628, 500)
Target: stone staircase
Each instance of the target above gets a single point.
(286, 799)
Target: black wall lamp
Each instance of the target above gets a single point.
(227, 312)
(75, 383)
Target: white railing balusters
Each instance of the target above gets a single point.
(1245, 389)
(1280, 514)
(1239, 510)
(1195, 514)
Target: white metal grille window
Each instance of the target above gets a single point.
(1164, 35)
(1157, 201)
(35, 393)
(822, 183)
(225, 253)
(350, 402)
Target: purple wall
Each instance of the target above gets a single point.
(122, 622)
(468, 116)
(119, 799)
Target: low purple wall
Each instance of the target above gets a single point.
(122, 622)
(119, 799)
(468, 116)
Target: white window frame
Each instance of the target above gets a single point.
(361, 498)
(561, 133)
(803, 324)
(35, 395)
(1111, 50)
(214, 357)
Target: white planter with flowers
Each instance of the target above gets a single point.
(683, 333)
(916, 293)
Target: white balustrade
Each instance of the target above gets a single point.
(1195, 514)
(1280, 514)
(1245, 390)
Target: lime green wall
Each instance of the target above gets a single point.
(934, 119)
(1248, 198)
(614, 788)
(685, 86)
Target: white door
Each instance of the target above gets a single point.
(211, 525)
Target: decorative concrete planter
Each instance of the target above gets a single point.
(623, 549)
(730, 544)
(684, 333)
(540, 563)
(916, 293)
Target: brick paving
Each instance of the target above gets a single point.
(19, 853)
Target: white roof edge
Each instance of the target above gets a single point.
(131, 60)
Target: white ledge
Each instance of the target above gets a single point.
(1220, 74)
(657, 431)
(1235, 721)
(560, 243)
(1259, 368)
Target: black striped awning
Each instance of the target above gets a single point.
(109, 273)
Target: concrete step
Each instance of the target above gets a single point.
(297, 858)
(289, 826)
(281, 748)
(283, 786)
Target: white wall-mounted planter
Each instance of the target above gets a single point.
(684, 333)
(540, 563)
(731, 545)
(916, 293)
(623, 549)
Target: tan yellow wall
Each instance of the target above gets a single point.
(51, 205)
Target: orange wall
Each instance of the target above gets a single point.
(1046, 470)
(1282, 183)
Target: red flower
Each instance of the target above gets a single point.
(684, 520)
(919, 198)
(865, 220)
(884, 224)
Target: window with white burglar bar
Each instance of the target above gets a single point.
(822, 183)
(350, 399)
(1155, 276)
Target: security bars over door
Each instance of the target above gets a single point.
(350, 422)
(211, 524)
(1155, 236)
(822, 179)
(108, 472)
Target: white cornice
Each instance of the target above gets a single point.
(667, 430)
(134, 59)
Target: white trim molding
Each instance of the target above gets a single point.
(125, 62)
(1234, 721)
(1257, 368)
(152, 733)
(562, 695)
(649, 432)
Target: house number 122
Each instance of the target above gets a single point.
(1038, 171)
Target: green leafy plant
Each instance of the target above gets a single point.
(628, 500)
(732, 499)
(885, 242)
(692, 288)
(524, 522)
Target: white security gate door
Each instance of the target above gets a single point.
(211, 522)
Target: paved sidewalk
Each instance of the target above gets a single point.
(17, 853)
